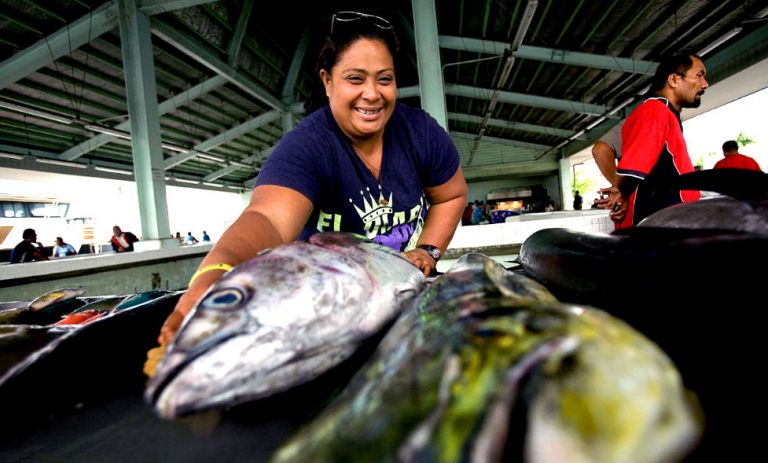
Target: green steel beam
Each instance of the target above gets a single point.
(222, 138)
(527, 100)
(502, 141)
(551, 55)
(233, 52)
(201, 52)
(540, 129)
(165, 107)
(428, 57)
(146, 139)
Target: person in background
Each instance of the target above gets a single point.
(179, 237)
(359, 163)
(206, 238)
(606, 152)
(63, 249)
(734, 160)
(578, 201)
(28, 249)
(122, 241)
(190, 239)
(653, 147)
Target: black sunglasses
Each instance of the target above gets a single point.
(343, 17)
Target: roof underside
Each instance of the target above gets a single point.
(525, 82)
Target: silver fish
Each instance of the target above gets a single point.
(57, 295)
(280, 320)
(481, 346)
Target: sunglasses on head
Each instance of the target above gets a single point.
(345, 17)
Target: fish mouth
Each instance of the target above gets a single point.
(158, 384)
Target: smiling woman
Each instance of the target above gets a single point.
(358, 163)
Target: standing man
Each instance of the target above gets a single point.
(734, 160)
(607, 152)
(653, 147)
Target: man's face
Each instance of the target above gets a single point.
(691, 86)
(116, 231)
(59, 242)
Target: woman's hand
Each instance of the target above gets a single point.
(422, 260)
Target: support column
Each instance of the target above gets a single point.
(141, 94)
(428, 55)
(566, 181)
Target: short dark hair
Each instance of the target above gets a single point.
(675, 64)
(730, 145)
(337, 43)
(28, 233)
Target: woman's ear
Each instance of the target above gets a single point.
(325, 77)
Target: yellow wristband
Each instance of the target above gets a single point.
(225, 267)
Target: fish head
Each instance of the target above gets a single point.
(220, 316)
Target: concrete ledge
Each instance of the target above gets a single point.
(517, 228)
(104, 274)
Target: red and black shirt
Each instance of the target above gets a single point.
(653, 149)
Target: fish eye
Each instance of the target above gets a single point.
(225, 298)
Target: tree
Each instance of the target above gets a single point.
(743, 140)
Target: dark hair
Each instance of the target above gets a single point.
(730, 145)
(676, 64)
(337, 43)
(28, 233)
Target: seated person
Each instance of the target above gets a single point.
(28, 250)
(63, 249)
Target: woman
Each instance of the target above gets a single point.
(359, 164)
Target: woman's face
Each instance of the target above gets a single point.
(361, 89)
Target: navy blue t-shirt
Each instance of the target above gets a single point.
(317, 160)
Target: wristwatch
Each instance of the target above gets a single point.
(433, 251)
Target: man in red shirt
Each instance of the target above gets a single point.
(734, 160)
(653, 147)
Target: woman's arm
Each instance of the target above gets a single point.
(274, 216)
(447, 203)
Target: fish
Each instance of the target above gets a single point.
(486, 365)
(57, 295)
(140, 298)
(73, 366)
(80, 317)
(720, 213)
(280, 320)
(17, 342)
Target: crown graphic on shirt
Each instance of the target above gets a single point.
(374, 209)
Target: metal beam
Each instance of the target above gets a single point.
(203, 54)
(231, 168)
(146, 141)
(540, 129)
(526, 168)
(153, 7)
(237, 38)
(503, 141)
(428, 57)
(526, 100)
(167, 106)
(60, 43)
(551, 55)
(73, 36)
(224, 137)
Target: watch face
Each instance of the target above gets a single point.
(432, 250)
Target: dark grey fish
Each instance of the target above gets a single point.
(279, 320)
(481, 346)
(720, 213)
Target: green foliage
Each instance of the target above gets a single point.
(583, 183)
(743, 140)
